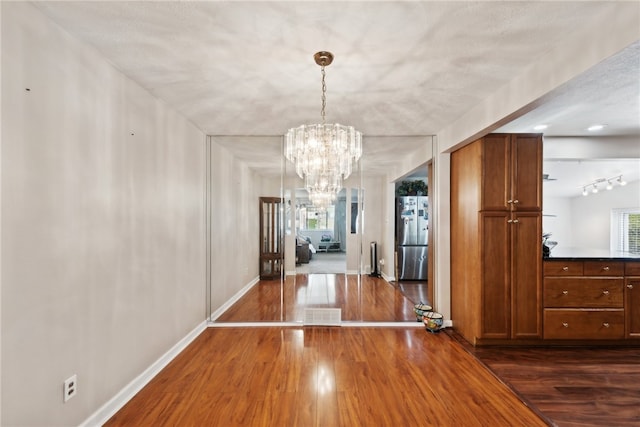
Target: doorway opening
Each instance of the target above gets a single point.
(320, 235)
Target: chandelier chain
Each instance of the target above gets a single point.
(324, 96)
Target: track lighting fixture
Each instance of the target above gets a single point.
(593, 186)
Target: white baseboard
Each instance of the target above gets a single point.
(109, 409)
(407, 324)
(388, 278)
(233, 299)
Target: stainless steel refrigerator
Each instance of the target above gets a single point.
(412, 232)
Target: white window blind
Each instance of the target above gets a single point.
(625, 230)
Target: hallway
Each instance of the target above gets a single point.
(324, 263)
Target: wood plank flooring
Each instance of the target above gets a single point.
(347, 376)
(572, 386)
(361, 298)
(322, 376)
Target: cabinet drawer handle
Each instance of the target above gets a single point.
(605, 268)
(565, 292)
(565, 268)
(629, 286)
(509, 221)
(515, 221)
(565, 324)
(509, 201)
(605, 324)
(605, 292)
(516, 201)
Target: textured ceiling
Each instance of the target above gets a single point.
(244, 71)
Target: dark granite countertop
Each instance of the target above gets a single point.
(578, 254)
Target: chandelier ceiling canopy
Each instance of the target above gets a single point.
(323, 153)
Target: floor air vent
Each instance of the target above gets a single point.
(322, 316)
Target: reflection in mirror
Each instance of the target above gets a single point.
(354, 210)
(360, 296)
(320, 235)
(287, 212)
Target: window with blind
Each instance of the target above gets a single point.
(625, 230)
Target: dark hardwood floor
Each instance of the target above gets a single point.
(571, 386)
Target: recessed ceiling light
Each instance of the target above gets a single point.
(540, 127)
(595, 128)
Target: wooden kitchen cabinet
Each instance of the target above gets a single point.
(632, 299)
(512, 176)
(583, 292)
(526, 275)
(591, 300)
(496, 229)
(584, 324)
(495, 292)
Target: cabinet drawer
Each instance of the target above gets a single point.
(562, 268)
(583, 292)
(583, 324)
(632, 269)
(603, 268)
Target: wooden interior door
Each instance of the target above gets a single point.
(271, 237)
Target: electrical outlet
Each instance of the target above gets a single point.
(70, 387)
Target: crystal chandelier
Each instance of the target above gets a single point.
(322, 200)
(323, 153)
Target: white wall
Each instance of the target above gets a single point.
(102, 225)
(585, 221)
(556, 219)
(387, 250)
(591, 218)
(290, 185)
(373, 229)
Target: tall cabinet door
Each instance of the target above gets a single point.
(526, 275)
(496, 286)
(632, 306)
(526, 172)
(512, 165)
(271, 237)
(496, 172)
